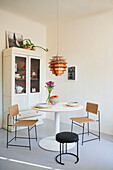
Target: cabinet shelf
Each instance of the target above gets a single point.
(19, 79)
(34, 79)
(21, 69)
(20, 93)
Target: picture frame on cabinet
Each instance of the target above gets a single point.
(14, 39)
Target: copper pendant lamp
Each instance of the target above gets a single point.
(57, 64)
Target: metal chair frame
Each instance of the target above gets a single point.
(62, 153)
(97, 136)
(29, 129)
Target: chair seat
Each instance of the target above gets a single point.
(25, 123)
(67, 137)
(82, 119)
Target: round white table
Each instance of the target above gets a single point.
(49, 143)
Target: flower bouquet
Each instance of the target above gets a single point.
(49, 85)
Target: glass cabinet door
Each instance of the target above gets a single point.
(20, 75)
(35, 75)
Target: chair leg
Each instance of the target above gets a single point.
(83, 134)
(36, 132)
(72, 126)
(15, 131)
(88, 127)
(29, 138)
(7, 129)
(99, 130)
(7, 137)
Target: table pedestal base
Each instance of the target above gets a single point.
(50, 144)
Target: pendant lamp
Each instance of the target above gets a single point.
(57, 64)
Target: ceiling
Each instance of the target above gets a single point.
(45, 11)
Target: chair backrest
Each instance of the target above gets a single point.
(92, 108)
(13, 110)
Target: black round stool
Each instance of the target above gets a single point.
(64, 138)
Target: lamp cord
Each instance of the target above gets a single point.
(57, 31)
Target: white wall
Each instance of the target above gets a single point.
(88, 43)
(29, 29)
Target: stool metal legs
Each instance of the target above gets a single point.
(62, 152)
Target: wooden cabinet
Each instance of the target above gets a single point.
(22, 85)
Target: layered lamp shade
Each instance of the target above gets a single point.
(57, 65)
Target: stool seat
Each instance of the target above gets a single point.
(67, 137)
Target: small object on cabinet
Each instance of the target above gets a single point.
(33, 74)
(33, 90)
(17, 75)
(27, 44)
(19, 89)
(23, 76)
(15, 67)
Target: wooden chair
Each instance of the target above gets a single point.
(13, 112)
(90, 108)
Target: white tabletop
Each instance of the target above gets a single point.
(60, 107)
